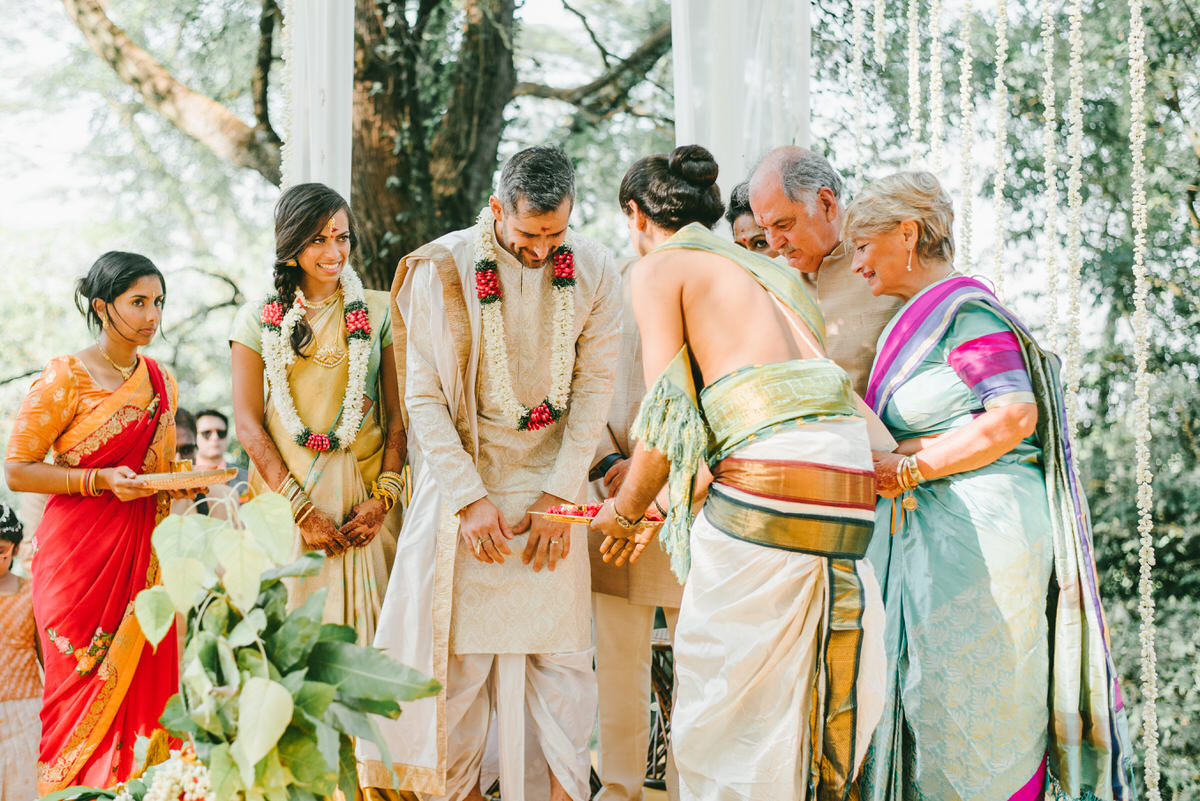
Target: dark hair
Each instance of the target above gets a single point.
(300, 213)
(212, 413)
(11, 529)
(675, 190)
(109, 277)
(543, 175)
(739, 203)
(185, 420)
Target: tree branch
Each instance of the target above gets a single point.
(611, 87)
(260, 78)
(605, 55)
(200, 117)
(19, 376)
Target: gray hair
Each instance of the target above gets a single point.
(542, 174)
(914, 195)
(802, 172)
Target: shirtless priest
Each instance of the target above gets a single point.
(779, 660)
(510, 331)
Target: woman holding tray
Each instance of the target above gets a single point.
(104, 415)
(329, 435)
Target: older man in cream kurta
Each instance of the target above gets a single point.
(501, 638)
(624, 599)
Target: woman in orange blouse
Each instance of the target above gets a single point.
(104, 415)
(20, 684)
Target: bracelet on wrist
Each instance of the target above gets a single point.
(625, 522)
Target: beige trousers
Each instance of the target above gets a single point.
(623, 675)
(543, 704)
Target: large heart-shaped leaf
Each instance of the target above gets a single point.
(182, 537)
(264, 711)
(185, 579)
(268, 518)
(248, 629)
(292, 642)
(243, 562)
(367, 673)
(155, 613)
(223, 773)
(309, 564)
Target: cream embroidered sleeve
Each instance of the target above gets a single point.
(431, 423)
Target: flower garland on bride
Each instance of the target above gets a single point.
(495, 345)
(277, 353)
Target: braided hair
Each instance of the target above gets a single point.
(300, 214)
(11, 529)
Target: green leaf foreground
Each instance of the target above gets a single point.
(270, 698)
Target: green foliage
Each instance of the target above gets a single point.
(270, 699)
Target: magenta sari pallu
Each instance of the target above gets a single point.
(105, 686)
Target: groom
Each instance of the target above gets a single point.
(510, 331)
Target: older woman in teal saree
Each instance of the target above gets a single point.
(1000, 680)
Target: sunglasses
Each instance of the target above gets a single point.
(219, 433)
(186, 451)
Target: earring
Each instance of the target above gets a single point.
(909, 265)
(290, 263)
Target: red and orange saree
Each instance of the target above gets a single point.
(104, 686)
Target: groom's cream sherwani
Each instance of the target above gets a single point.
(498, 637)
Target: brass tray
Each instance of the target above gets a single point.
(586, 520)
(187, 479)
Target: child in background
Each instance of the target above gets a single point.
(20, 675)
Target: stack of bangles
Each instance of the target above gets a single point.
(388, 488)
(908, 474)
(302, 506)
(87, 484)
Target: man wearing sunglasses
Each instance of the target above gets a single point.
(212, 437)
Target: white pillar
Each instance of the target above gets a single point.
(319, 76)
(741, 79)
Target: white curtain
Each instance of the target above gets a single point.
(741, 79)
(319, 79)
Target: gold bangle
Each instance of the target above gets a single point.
(68, 481)
(305, 512)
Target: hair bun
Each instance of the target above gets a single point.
(693, 164)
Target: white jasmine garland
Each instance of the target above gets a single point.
(1050, 175)
(856, 81)
(966, 110)
(1000, 169)
(937, 90)
(495, 344)
(880, 32)
(278, 355)
(1141, 406)
(914, 79)
(1072, 363)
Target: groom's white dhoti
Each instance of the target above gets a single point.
(503, 640)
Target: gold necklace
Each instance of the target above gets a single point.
(124, 371)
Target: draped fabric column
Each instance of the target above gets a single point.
(319, 80)
(741, 79)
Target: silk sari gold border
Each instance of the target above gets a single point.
(799, 481)
(838, 538)
(82, 427)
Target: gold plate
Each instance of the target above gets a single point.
(187, 479)
(581, 520)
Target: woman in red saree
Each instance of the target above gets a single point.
(104, 415)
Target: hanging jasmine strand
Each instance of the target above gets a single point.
(856, 83)
(1072, 366)
(937, 90)
(999, 212)
(966, 110)
(880, 33)
(914, 80)
(1141, 406)
(1050, 176)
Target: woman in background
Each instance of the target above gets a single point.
(104, 415)
(20, 678)
(746, 231)
(329, 436)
